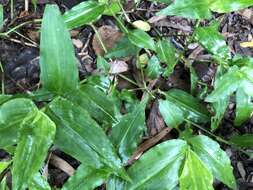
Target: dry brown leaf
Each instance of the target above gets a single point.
(118, 66)
(155, 121)
(109, 36)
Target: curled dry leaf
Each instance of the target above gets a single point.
(109, 35)
(118, 66)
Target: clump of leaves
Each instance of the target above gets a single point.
(76, 115)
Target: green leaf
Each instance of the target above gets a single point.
(156, 169)
(5, 98)
(4, 165)
(86, 178)
(1, 16)
(153, 69)
(103, 64)
(123, 48)
(36, 137)
(3, 184)
(193, 9)
(80, 136)
(213, 41)
(244, 107)
(225, 6)
(190, 107)
(141, 39)
(171, 113)
(112, 9)
(228, 83)
(215, 159)
(220, 109)
(195, 174)
(12, 115)
(127, 134)
(58, 65)
(83, 13)
(95, 102)
(166, 54)
(39, 182)
(245, 141)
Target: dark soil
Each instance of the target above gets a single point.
(20, 59)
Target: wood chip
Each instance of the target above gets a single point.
(62, 165)
(77, 43)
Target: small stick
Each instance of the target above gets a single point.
(147, 144)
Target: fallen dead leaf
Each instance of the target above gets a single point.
(155, 121)
(118, 66)
(109, 36)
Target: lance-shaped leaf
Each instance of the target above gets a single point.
(78, 132)
(195, 174)
(193, 9)
(245, 141)
(141, 39)
(227, 84)
(99, 106)
(59, 72)
(37, 135)
(86, 178)
(123, 48)
(156, 169)
(153, 69)
(225, 6)
(213, 41)
(83, 13)
(214, 158)
(172, 114)
(244, 107)
(186, 106)
(39, 182)
(12, 115)
(166, 54)
(127, 134)
(4, 165)
(5, 98)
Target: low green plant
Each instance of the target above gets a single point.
(76, 115)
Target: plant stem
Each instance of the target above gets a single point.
(2, 83)
(99, 38)
(5, 34)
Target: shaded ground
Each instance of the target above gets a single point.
(19, 57)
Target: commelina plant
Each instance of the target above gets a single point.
(76, 115)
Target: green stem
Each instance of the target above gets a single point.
(5, 34)
(2, 83)
(99, 38)
(128, 79)
(12, 9)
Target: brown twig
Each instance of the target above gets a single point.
(147, 144)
